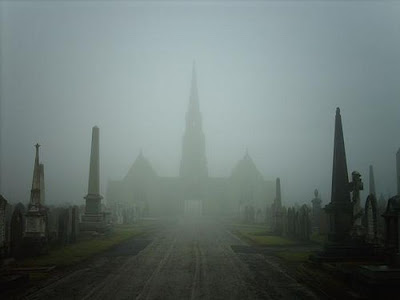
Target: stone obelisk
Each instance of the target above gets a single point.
(340, 208)
(35, 233)
(93, 219)
(371, 181)
(42, 189)
(278, 226)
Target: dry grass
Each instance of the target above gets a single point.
(75, 253)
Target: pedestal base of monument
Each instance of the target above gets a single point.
(92, 222)
(348, 251)
(377, 281)
(34, 245)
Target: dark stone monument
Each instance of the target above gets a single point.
(371, 222)
(392, 226)
(65, 225)
(344, 239)
(340, 209)
(371, 181)
(35, 235)
(316, 212)
(304, 223)
(93, 219)
(381, 207)
(284, 221)
(382, 281)
(277, 209)
(291, 216)
(74, 224)
(17, 229)
(52, 223)
(356, 185)
(398, 171)
(3, 228)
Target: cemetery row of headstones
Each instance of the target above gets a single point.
(29, 230)
(370, 232)
(62, 227)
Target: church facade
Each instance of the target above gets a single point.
(194, 192)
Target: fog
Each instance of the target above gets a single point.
(270, 76)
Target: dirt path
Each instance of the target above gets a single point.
(186, 260)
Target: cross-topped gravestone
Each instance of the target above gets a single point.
(35, 234)
(355, 187)
(316, 211)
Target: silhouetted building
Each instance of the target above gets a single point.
(193, 192)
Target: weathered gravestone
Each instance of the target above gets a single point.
(3, 227)
(381, 208)
(75, 224)
(277, 208)
(304, 223)
(370, 219)
(8, 215)
(392, 226)
(398, 171)
(17, 228)
(316, 211)
(284, 221)
(65, 225)
(382, 281)
(291, 221)
(53, 215)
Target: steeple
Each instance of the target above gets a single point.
(194, 97)
(193, 167)
(193, 115)
(340, 179)
(35, 191)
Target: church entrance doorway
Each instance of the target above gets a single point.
(193, 208)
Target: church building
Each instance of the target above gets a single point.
(194, 192)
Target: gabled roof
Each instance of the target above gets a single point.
(246, 168)
(141, 168)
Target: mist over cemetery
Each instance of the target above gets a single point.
(198, 235)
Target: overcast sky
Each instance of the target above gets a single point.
(270, 75)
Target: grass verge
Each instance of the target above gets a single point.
(258, 236)
(75, 253)
(294, 256)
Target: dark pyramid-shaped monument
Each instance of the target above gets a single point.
(371, 181)
(340, 209)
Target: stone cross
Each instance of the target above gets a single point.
(356, 186)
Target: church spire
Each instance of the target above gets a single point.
(193, 167)
(193, 115)
(194, 97)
